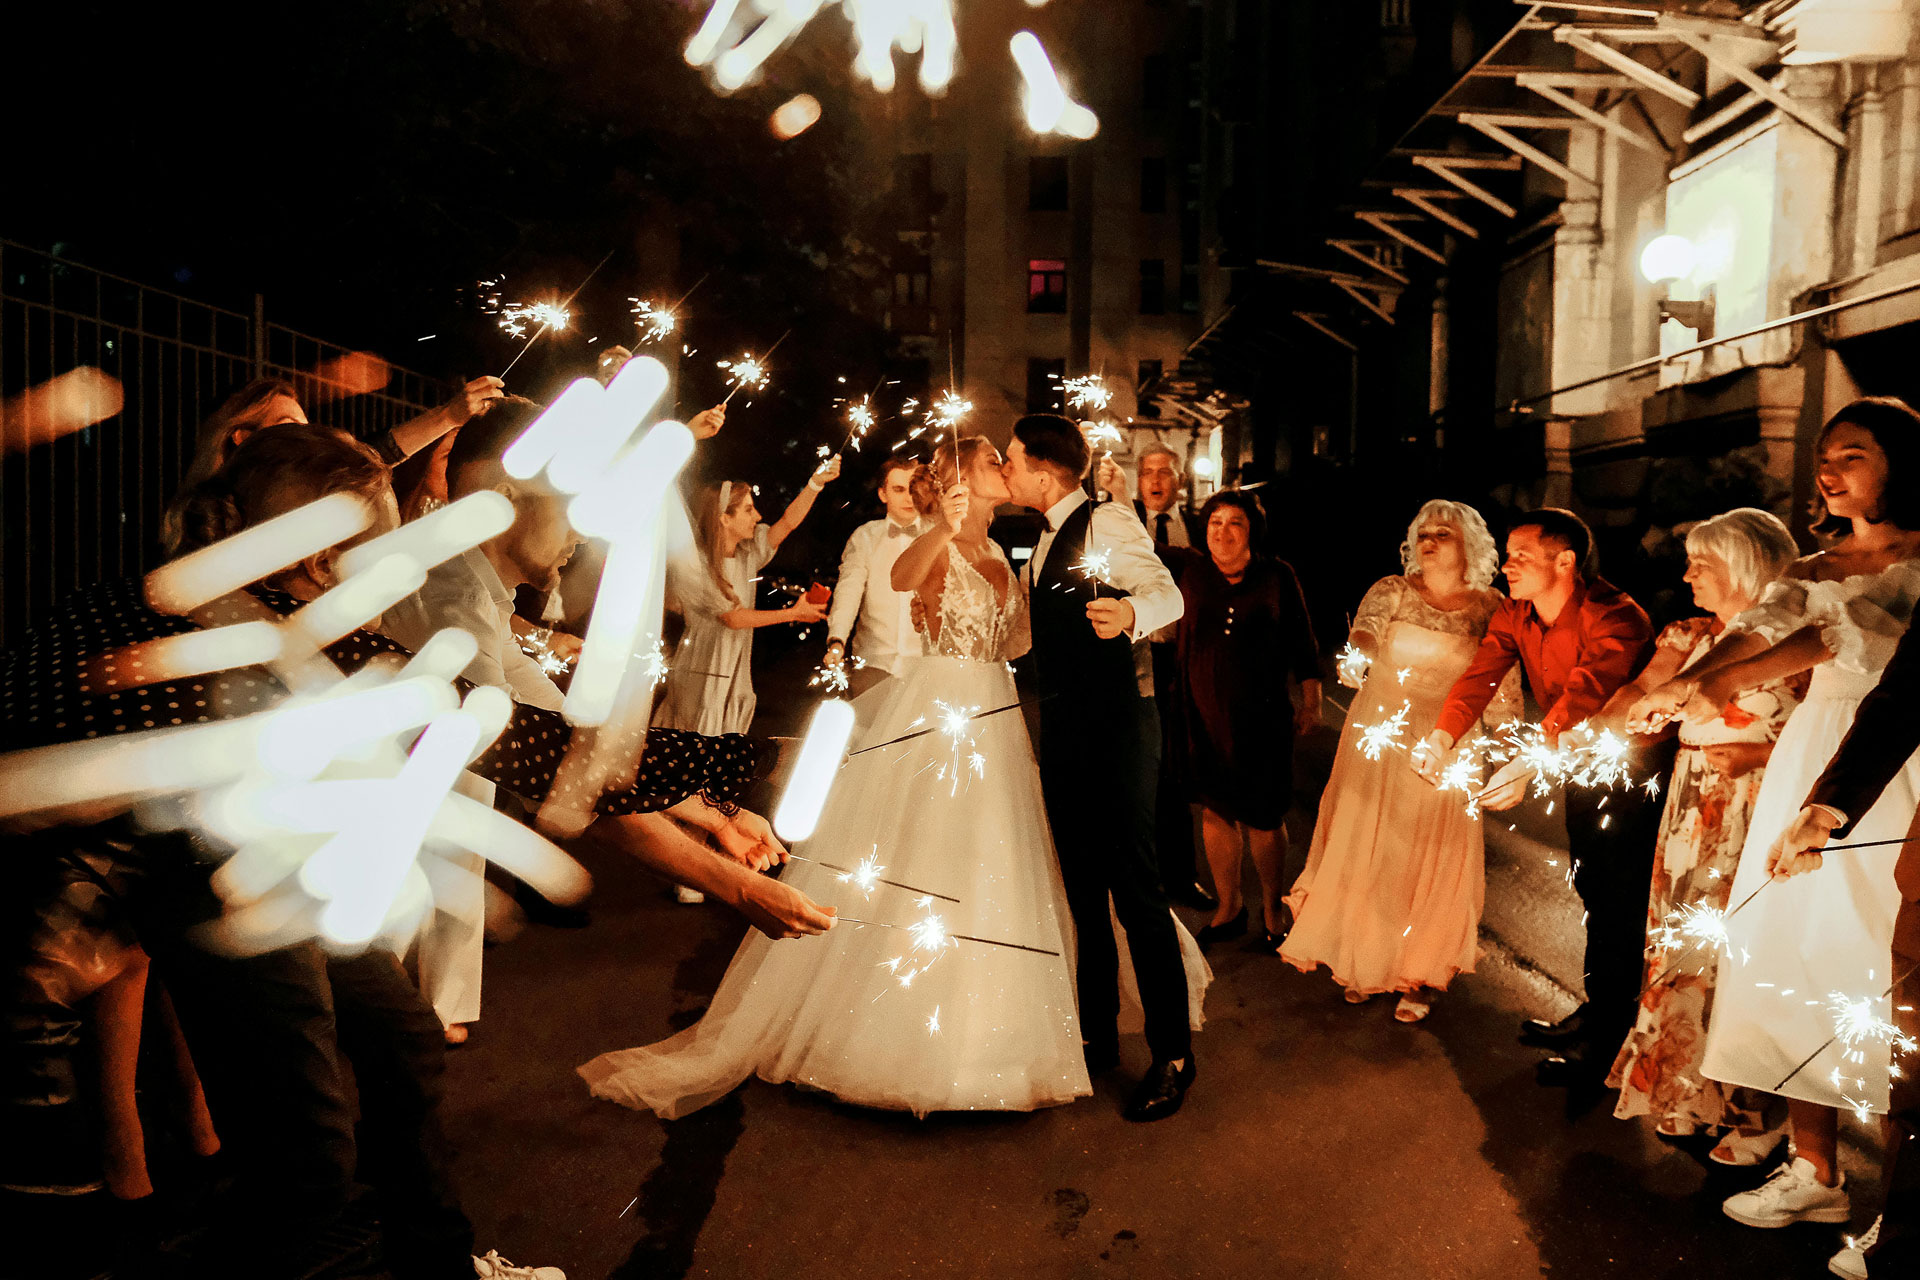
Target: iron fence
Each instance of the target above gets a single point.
(87, 507)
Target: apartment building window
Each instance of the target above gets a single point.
(1396, 13)
(1047, 183)
(1149, 373)
(1154, 82)
(1047, 286)
(1043, 385)
(1153, 286)
(1153, 185)
(913, 189)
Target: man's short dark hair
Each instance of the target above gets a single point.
(1055, 443)
(480, 442)
(1557, 524)
(896, 462)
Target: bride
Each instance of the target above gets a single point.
(891, 1009)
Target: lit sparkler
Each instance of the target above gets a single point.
(1095, 566)
(860, 420)
(1087, 391)
(1351, 666)
(654, 321)
(948, 410)
(1378, 738)
(836, 678)
(956, 725)
(517, 317)
(748, 372)
(538, 645)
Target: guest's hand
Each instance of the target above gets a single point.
(954, 504)
(1429, 755)
(836, 655)
(1508, 787)
(1111, 618)
(1709, 699)
(706, 424)
(1306, 715)
(1737, 759)
(1797, 851)
(564, 645)
(749, 840)
(781, 911)
(475, 398)
(1651, 711)
(827, 472)
(802, 610)
(1112, 479)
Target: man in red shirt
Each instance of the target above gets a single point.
(1578, 638)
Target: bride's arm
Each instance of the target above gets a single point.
(930, 548)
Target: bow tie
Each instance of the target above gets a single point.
(895, 531)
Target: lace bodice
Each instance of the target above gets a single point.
(1861, 618)
(1394, 599)
(974, 622)
(1424, 650)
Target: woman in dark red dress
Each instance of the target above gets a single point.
(1244, 633)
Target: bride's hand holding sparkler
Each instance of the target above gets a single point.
(1429, 755)
(706, 424)
(954, 505)
(1797, 851)
(1509, 786)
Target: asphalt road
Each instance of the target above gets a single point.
(1320, 1139)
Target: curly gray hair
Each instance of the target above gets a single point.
(1483, 557)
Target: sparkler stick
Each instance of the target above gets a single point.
(1841, 1033)
(957, 937)
(560, 313)
(921, 733)
(867, 874)
(750, 371)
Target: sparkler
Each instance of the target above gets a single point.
(867, 875)
(860, 420)
(747, 371)
(948, 410)
(956, 723)
(515, 317)
(921, 733)
(835, 678)
(932, 931)
(1095, 566)
(654, 322)
(538, 645)
(1088, 390)
(1855, 1022)
(1377, 738)
(1351, 666)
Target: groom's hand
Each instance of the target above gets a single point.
(1111, 618)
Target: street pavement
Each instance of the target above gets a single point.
(1320, 1140)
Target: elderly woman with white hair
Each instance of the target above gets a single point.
(1391, 896)
(1716, 777)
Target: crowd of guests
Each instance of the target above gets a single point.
(1694, 1005)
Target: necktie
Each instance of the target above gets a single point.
(1160, 528)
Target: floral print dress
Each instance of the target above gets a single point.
(1702, 832)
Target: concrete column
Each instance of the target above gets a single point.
(1582, 285)
(1806, 173)
(1866, 172)
(1437, 351)
(1902, 201)
(1557, 489)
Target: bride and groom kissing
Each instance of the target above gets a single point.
(1043, 854)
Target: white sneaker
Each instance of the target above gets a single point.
(1793, 1194)
(688, 896)
(495, 1267)
(1851, 1262)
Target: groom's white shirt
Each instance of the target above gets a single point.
(1132, 567)
(865, 605)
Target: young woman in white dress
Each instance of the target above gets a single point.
(941, 797)
(1839, 612)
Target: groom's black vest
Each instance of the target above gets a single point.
(1070, 662)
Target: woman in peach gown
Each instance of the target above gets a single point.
(1391, 895)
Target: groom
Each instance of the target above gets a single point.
(1100, 749)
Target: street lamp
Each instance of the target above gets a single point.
(1665, 261)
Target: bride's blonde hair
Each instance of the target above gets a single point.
(950, 462)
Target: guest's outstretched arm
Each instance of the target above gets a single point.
(802, 502)
(1498, 651)
(1609, 654)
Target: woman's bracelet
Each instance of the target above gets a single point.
(815, 485)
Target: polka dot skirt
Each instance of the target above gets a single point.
(68, 680)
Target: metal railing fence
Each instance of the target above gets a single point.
(87, 507)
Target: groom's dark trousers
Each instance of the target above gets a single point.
(1099, 771)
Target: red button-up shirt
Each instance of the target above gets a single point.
(1599, 641)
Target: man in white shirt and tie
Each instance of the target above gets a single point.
(1158, 506)
(870, 621)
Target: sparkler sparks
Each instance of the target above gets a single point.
(654, 321)
(956, 725)
(836, 679)
(860, 420)
(1103, 435)
(1095, 566)
(1377, 738)
(517, 317)
(948, 410)
(748, 373)
(1351, 666)
(1087, 391)
(538, 645)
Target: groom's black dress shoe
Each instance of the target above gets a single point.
(1162, 1092)
(1542, 1034)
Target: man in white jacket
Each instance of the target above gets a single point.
(866, 608)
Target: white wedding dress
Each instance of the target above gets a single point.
(869, 1012)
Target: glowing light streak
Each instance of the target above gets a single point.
(439, 535)
(1048, 107)
(252, 554)
(821, 753)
